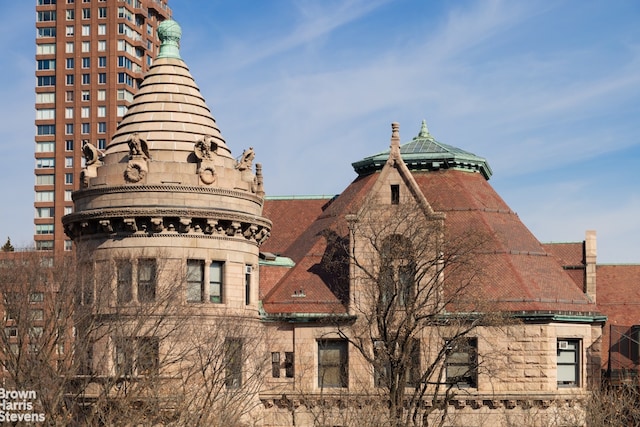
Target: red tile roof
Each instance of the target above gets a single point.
(520, 274)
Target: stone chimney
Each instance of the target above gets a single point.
(590, 253)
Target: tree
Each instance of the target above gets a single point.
(417, 305)
(8, 247)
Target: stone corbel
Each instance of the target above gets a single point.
(184, 225)
(130, 224)
(250, 232)
(156, 225)
(212, 225)
(234, 228)
(106, 226)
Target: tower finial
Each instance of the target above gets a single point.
(169, 33)
(424, 132)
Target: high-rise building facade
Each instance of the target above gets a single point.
(91, 56)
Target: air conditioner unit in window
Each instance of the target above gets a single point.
(563, 345)
(248, 269)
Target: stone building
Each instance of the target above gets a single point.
(416, 288)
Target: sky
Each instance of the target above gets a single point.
(547, 92)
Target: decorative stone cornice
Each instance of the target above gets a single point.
(140, 222)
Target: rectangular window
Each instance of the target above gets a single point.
(46, 32)
(395, 194)
(275, 364)
(68, 210)
(146, 280)
(85, 95)
(102, 94)
(102, 143)
(37, 314)
(69, 79)
(68, 96)
(568, 362)
(195, 280)
(45, 114)
(70, 30)
(68, 145)
(102, 45)
(86, 79)
(44, 245)
(148, 357)
(68, 162)
(36, 297)
(333, 362)
(68, 178)
(45, 147)
(121, 110)
(68, 196)
(84, 113)
(288, 364)
(68, 47)
(45, 163)
(233, 362)
(86, 30)
(46, 81)
(46, 129)
(215, 282)
(102, 110)
(247, 284)
(46, 64)
(46, 49)
(68, 113)
(102, 127)
(102, 29)
(124, 293)
(86, 46)
(45, 98)
(124, 356)
(86, 13)
(86, 62)
(102, 78)
(102, 61)
(68, 245)
(68, 129)
(462, 361)
(46, 16)
(102, 12)
(44, 212)
(44, 228)
(45, 179)
(86, 128)
(44, 196)
(70, 14)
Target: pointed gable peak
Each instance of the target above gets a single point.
(394, 152)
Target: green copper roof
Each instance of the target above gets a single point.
(169, 33)
(423, 152)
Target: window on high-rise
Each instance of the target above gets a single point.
(68, 145)
(69, 64)
(45, 147)
(68, 47)
(45, 98)
(46, 15)
(46, 129)
(102, 78)
(44, 212)
(45, 163)
(86, 46)
(102, 110)
(102, 45)
(85, 128)
(102, 143)
(44, 196)
(46, 49)
(102, 61)
(68, 178)
(86, 13)
(69, 78)
(68, 96)
(46, 64)
(102, 127)
(68, 162)
(46, 81)
(102, 29)
(86, 79)
(84, 113)
(44, 228)
(85, 95)
(46, 32)
(121, 110)
(86, 62)
(68, 196)
(45, 114)
(70, 14)
(45, 179)
(86, 30)
(102, 12)
(102, 94)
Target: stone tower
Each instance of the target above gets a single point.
(169, 224)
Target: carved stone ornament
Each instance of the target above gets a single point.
(246, 160)
(207, 173)
(205, 148)
(138, 147)
(136, 170)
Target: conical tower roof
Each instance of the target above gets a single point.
(168, 112)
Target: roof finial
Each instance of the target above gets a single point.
(394, 154)
(424, 132)
(169, 33)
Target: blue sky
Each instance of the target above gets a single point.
(548, 92)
